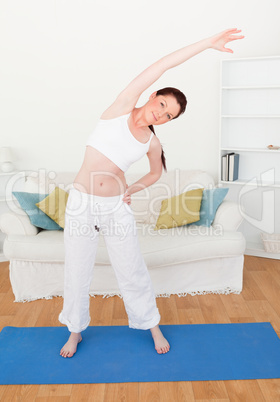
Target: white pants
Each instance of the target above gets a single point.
(86, 217)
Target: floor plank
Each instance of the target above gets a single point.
(213, 309)
(176, 391)
(270, 389)
(87, 392)
(251, 291)
(248, 390)
(209, 390)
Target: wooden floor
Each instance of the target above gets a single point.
(258, 302)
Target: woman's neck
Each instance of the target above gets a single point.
(138, 118)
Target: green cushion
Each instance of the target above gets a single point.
(54, 205)
(180, 209)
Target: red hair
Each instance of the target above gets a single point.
(181, 100)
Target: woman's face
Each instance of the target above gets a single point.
(161, 109)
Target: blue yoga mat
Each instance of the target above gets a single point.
(118, 354)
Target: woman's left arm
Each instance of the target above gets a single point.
(154, 156)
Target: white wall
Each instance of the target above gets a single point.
(64, 62)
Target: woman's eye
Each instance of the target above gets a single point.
(168, 116)
(161, 104)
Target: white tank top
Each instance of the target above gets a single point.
(114, 140)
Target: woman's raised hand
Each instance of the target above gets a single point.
(219, 40)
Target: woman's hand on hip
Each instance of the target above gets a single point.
(127, 197)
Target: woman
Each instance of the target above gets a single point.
(100, 197)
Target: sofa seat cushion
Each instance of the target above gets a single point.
(190, 245)
(159, 248)
(47, 245)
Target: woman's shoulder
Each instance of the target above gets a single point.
(155, 145)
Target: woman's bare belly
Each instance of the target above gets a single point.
(99, 175)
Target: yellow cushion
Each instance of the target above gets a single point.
(54, 205)
(180, 209)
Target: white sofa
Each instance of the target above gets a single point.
(185, 260)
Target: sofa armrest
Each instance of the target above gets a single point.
(12, 223)
(229, 216)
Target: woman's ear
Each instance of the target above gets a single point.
(154, 94)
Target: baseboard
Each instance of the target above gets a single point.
(257, 250)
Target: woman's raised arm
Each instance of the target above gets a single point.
(128, 98)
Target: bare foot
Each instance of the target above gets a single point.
(70, 346)
(161, 344)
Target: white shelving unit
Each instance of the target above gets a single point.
(250, 121)
(13, 181)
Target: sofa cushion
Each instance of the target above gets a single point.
(180, 209)
(54, 206)
(28, 201)
(162, 247)
(211, 200)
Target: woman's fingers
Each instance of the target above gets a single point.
(219, 41)
(127, 198)
(236, 37)
(225, 49)
(235, 30)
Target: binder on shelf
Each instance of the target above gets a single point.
(230, 165)
(224, 168)
(233, 167)
(228, 156)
